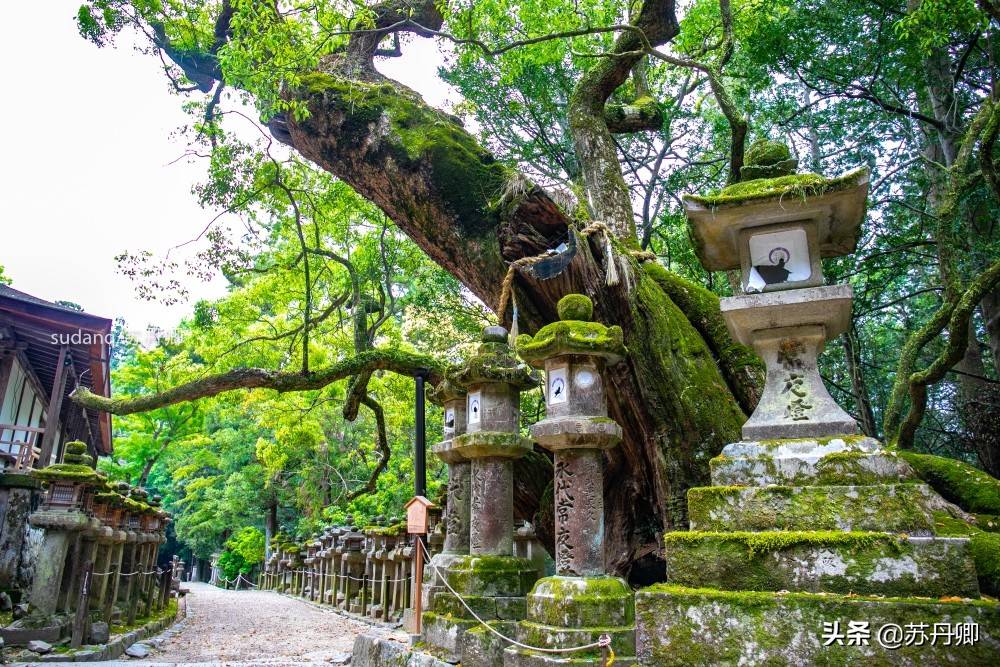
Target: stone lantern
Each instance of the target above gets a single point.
(574, 352)
(493, 380)
(786, 313)
(61, 516)
(854, 531)
(454, 400)
(490, 578)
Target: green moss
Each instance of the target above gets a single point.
(494, 362)
(75, 447)
(764, 152)
(572, 337)
(170, 611)
(984, 547)
(575, 307)
(970, 488)
(67, 472)
(769, 541)
(793, 185)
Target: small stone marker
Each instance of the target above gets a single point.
(39, 647)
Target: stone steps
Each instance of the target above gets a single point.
(817, 561)
(701, 626)
(895, 508)
(850, 460)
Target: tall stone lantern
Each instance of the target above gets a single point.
(853, 530)
(490, 578)
(454, 400)
(581, 602)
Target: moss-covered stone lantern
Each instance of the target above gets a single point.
(493, 380)
(459, 499)
(67, 483)
(807, 522)
(490, 579)
(574, 351)
(776, 227)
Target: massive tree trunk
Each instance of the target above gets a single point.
(686, 387)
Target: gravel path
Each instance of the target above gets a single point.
(259, 627)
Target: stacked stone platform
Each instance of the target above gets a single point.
(799, 534)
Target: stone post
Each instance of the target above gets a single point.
(581, 600)
(489, 576)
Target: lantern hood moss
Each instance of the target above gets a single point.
(446, 389)
(495, 362)
(573, 333)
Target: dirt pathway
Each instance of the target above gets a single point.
(258, 627)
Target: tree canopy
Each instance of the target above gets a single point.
(366, 235)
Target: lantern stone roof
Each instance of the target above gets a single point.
(74, 468)
(445, 390)
(771, 194)
(494, 362)
(573, 333)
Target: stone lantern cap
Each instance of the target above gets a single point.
(573, 333)
(829, 306)
(75, 468)
(835, 207)
(494, 362)
(445, 390)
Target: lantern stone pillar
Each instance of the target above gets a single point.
(802, 470)
(581, 602)
(62, 517)
(490, 578)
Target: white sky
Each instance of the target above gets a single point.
(86, 173)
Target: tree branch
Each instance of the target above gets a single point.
(397, 361)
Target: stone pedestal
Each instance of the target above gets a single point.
(61, 531)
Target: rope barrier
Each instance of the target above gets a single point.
(603, 642)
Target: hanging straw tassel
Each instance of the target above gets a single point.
(513, 319)
(610, 265)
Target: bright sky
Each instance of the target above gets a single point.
(87, 173)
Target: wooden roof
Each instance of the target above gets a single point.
(41, 326)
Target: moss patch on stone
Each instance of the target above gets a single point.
(800, 186)
(984, 546)
(970, 488)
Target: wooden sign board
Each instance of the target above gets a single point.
(418, 515)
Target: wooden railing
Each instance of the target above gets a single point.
(19, 446)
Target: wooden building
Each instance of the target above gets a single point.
(46, 351)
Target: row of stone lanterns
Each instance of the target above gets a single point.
(581, 604)
(98, 556)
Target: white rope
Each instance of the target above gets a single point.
(605, 639)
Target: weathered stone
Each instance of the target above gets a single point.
(482, 648)
(491, 529)
(49, 570)
(838, 461)
(898, 508)
(813, 561)
(40, 647)
(137, 650)
(5, 602)
(99, 633)
(684, 626)
(458, 513)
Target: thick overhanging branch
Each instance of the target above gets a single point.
(384, 453)
(396, 361)
(645, 114)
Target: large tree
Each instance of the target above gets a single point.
(482, 213)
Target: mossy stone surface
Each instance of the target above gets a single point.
(970, 488)
(581, 602)
(498, 576)
(822, 561)
(690, 626)
(801, 186)
(494, 361)
(899, 508)
(573, 333)
(984, 547)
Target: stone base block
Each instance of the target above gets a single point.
(550, 636)
(822, 561)
(443, 635)
(375, 652)
(581, 602)
(896, 508)
(482, 648)
(839, 461)
(514, 657)
(700, 626)
(503, 608)
(496, 576)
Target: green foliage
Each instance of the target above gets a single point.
(4, 278)
(242, 552)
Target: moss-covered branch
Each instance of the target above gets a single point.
(397, 361)
(970, 488)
